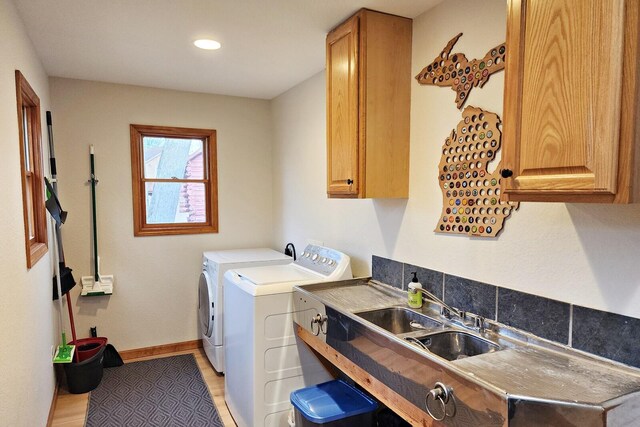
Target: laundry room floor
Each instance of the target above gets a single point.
(71, 409)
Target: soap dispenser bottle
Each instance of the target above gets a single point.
(414, 295)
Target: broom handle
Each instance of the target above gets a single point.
(58, 285)
(95, 226)
(73, 327)
(54, 175)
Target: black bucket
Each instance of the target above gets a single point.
(85, 376)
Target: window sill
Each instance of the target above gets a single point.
(174, 230)
(35, 253)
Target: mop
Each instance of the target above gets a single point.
(64, 352)
(97, 284)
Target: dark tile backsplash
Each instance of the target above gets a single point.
(387, 271)
(606, 334)
(469, 295)
(543, 317)
(598, 332)
(430, 280)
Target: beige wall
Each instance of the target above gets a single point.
(28, 325)
(155, 292)
(578, 253)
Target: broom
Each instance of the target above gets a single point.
(64, 352)
(98, 284)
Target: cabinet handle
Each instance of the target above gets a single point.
(349, 181)
(506, 173)
(321, 321)
(315, 321)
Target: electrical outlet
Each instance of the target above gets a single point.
(315, 242)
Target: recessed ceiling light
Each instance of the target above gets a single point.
(207, 44)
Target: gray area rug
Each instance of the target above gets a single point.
(159, 392)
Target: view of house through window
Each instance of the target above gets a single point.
(175, 159)
(174, 176)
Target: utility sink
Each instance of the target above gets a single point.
(469, 368)
(448, 344)
(399, 320)
(453, 345)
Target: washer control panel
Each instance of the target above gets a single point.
(321, 260)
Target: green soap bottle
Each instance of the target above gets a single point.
(414, 296)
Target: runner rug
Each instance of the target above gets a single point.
(161, 392)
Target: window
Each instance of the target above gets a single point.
(174, 178)
(35, 220)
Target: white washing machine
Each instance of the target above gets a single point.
(210, 292)
(265, 361)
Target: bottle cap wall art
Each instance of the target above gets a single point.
(470, 194)
(462, 75)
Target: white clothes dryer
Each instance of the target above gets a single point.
(265, 361)
(211, 292)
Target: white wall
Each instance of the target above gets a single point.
(579, 253)
(155, 292)
(27, 316)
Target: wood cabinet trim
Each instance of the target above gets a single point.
(349, 29)
(612, 176)
(389, 176)
(362, 102)
(629, 154)
(513, 88)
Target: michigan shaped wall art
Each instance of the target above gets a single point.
(462, 75)
(470, 194)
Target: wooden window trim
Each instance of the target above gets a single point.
(36, 246)
(140, 227)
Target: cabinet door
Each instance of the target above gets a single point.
(342, 110)
(564, 76)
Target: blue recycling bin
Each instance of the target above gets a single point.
(332, 404)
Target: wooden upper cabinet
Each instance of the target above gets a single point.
(571, 96)
(368, 106)
(342, 109)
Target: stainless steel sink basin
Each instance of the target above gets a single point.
(453, 345)
(399, 320)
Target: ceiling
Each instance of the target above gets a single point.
(267, 46)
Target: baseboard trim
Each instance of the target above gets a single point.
(160, 349)
(52, 408)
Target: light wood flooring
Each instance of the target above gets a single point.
(71, 409)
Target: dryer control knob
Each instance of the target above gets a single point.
(314, 257)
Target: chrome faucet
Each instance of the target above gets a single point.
(465, 319)
(445, 309)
